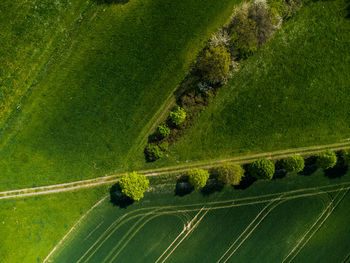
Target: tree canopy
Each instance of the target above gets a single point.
(134, 185)
(231, 173)
(198, 177)
(326, 160)
(262, 169)
(294, 163)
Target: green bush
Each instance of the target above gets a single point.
(177, 116)
(231, 173)
(134, 185)
(214, 64)
(153, 152)
(163, 130)
(198, 177)
(294, 163)
(262, 169)
(326, 160)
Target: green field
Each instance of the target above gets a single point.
(285, 219)
(292, 92)
(91, 104)
(30, 227)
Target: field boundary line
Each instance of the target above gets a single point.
(73, 228)
(317, 227)
(109, 179)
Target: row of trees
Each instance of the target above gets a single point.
(134, 185)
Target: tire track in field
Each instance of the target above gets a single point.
(177, 169)
(301, 244)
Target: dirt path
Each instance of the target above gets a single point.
(177, 169)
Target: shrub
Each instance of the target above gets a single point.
(294, 163)
(214, 64)
(153, 152)
(177, 116)
(326, 160)
(163, 130)
(250, 27)
(231, 173)
(134, 185)
(198, 177)
(262, 169)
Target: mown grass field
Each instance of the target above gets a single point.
(292, 92)
(30, 227)
(88, 109)
(289, 218)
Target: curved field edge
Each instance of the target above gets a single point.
(238, 199)
(91, 105)
(291, 92)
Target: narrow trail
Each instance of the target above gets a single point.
(177, 169)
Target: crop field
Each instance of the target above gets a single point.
(99, 86)
(285, 220)
(292, 92)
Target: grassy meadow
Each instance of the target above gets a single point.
(269, 218)
(293, 92)
(89, 108)
(32, 226)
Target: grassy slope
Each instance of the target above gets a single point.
(87, 109)
(281, 230)
(31, 227)
(293, 92)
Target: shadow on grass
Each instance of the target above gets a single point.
(110, 2)
(183, 187)
(310, 166)
(118, 198)
(213, 185)
(247, 180)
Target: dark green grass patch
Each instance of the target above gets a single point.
(89, 109)
(141, 233)
(293, 92)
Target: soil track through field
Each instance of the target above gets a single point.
(169, 210)
(57, 188)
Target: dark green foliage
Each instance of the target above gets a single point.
(177, 116)
(230, 173)
(326, 160)
(262, 169)
(163, 130)
(153, 152)
(134, 185)
(294, 163)
(198, 178)
(214, 64)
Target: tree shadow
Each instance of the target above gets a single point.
(183, 187)
(213, 185)
(110, 2)
(118, 198)
(247, 179)
(279, 174)
(347, 9)
(310, 166)
(338, 170)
